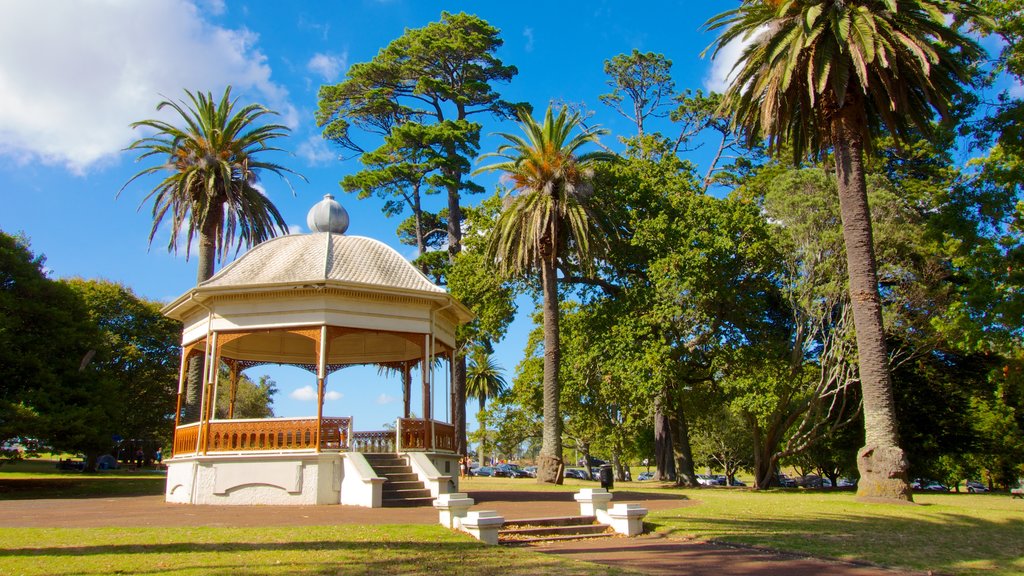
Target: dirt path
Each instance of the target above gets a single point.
(651, 554)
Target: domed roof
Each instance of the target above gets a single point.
(322, 257)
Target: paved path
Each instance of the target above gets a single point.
(651, 554)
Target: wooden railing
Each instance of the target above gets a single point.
(418, 434)
(300, 434)
(264, 434)
(186, 439)
(376, 441)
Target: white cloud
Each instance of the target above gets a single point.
(528, 34)
(70, 88)
(315, 151)
(308, 394)
(329, 66)
(1017, 90)
(295, 229)
(721, 73)
(304, 394)
(386, 399)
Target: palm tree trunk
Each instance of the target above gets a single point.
(459, 401)
(881, 462)
(207, 255)
(549, 466)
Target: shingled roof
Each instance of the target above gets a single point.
(322, 257)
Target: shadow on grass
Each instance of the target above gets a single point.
(85, 486)
(944, 542)
(238, 547)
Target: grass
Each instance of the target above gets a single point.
(947, 533)
(356, 550)
(35, 479)
(960, 534)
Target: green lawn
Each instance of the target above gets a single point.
(349, 549)
(969, 534)
(946, 533)
(33, 479)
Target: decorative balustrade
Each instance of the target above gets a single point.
(278, 434)
(186, 439)
(373, 442)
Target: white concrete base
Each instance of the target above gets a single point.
(452, 508)
(438, 471)
(255, 478)
(483, 525)
(627, 519)
(592, 500)
(360, 485)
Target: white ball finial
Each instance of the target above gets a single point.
(327, 215)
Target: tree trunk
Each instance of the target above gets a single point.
(207, 254)
(685, 475)
(664, 463)
(881, 462)
(459, 402)
(454, 248)
(550, 468)
(764, 465)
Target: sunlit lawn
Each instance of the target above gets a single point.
(946, 533)
(346, 549)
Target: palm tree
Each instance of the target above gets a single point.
(484, 382)
(551, 218)
(210, 190)
(831, 74)
(213, 166)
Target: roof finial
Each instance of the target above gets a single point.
(327, 215)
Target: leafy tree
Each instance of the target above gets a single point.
(140, 356)
(419, 94)
(253, 399)
(822, 74)
(48, 390)
(484, 381)
(548, 221)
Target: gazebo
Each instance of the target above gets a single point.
(320, 301)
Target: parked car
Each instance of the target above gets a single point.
(846, 483)
(510, 471)
(531, 471)
(785, 481)
(645, 476)
(576, 473)
(975, 487)
(485, 471)
(809, 481)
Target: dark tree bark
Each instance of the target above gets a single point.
(665, 466)
(881, 462)
(685, 475)
(550, 468)
(459, 399)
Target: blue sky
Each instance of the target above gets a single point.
(74, 75)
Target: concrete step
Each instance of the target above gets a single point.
(389, 470)
(530, 530)
(405, 493)
(402, 477)
(390, 486)
(407, 502)
(551, 521)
